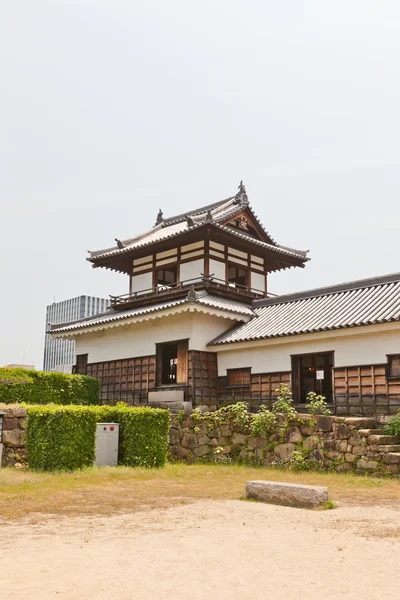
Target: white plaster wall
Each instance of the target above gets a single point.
(192, 269)
(140, 339)
(217, 269)
(142, 282)
(350, 348)
(257, 281)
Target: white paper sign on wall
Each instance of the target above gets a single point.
(320, 374)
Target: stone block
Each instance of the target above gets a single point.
(201, 450)
(307, 429)
(342, 432)
(360, 423)
(284, 452)
(214, 442)
(331, 454)
(350, 458)
(341, 445)
(359, 450)
(174, 436)
(180, 452)
(16, 438)
(325, 423)
(203, 440)
(293, 435)
(380, 440)
(214, 433)
(317, 456)
(366, 465)
(252, 442)
(239, 438)
(353, 441)
(393, 469)
(391, 458)
(189, 440)
(311, 443)
(287, 494)
(226, 430)
(10, 423)
(344, 468)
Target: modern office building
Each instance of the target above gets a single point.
(59, 355)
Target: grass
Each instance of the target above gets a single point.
(102, 491)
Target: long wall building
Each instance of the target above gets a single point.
(59, 354)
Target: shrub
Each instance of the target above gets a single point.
(393, 426)
(62, 438)
(38, 387)
(316, 404)
(284, 403)
(263, 422)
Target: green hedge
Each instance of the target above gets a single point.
(38, 387)
(62, 438)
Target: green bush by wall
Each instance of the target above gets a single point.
(37, 387)
(62, 438)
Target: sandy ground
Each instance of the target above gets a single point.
(206, 550)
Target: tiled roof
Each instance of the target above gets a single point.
(202, 299)
(219, 212)
(365, 302)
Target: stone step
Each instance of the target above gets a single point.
(376, 440)
(368, 432)
(389, 448)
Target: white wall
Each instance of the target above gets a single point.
(192, 269)
(139, 339)
(217, 269)
(144, 281)
(350, 348)
(257, 281)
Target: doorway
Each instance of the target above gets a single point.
(312, 373)
(172, 363)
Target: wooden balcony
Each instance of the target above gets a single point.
(175, 291)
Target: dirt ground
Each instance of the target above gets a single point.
(204, 550)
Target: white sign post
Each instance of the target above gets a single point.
(320, 375)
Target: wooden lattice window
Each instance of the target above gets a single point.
(393, 371)
(239, 377)
(81, 364)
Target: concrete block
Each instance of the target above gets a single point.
(287, 494)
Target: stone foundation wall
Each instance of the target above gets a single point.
(343, 444)
(14, 435)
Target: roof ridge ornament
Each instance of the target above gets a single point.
(160, 218)
(209, 217)
(119, 243)
(191, 294)
(189, 221)
(241, 196)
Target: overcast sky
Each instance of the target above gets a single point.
(112, 109)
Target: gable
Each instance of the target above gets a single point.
(246, 222)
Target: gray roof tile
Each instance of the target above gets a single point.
(366, 302)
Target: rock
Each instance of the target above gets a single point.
(240, 439)
(342, 432)
(311, 443)
(353, 441)
(201, 450)
(391, 469)
(180, 452)
(189, 440)
(367, 465)
(214, 433)
(10, 423)
(331, 454)
(359, 450)
(174, 436)
(307, 430)
(226, 431)
(317, 456)
(360, 423)
(341, 445)
(287, 494)
(252, 442)
(350, 458)
(203, 440)
(14, 437)
(214, 442)
(344, 468)
(284, 452)
(293, 435)
(325, 423)
(391, 458)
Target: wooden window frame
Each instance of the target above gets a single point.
(229, 264)
(84, 358)
(171, 266)
(390, 377)
(244, 370)
(159, 359)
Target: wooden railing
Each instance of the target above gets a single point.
(178, 289)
